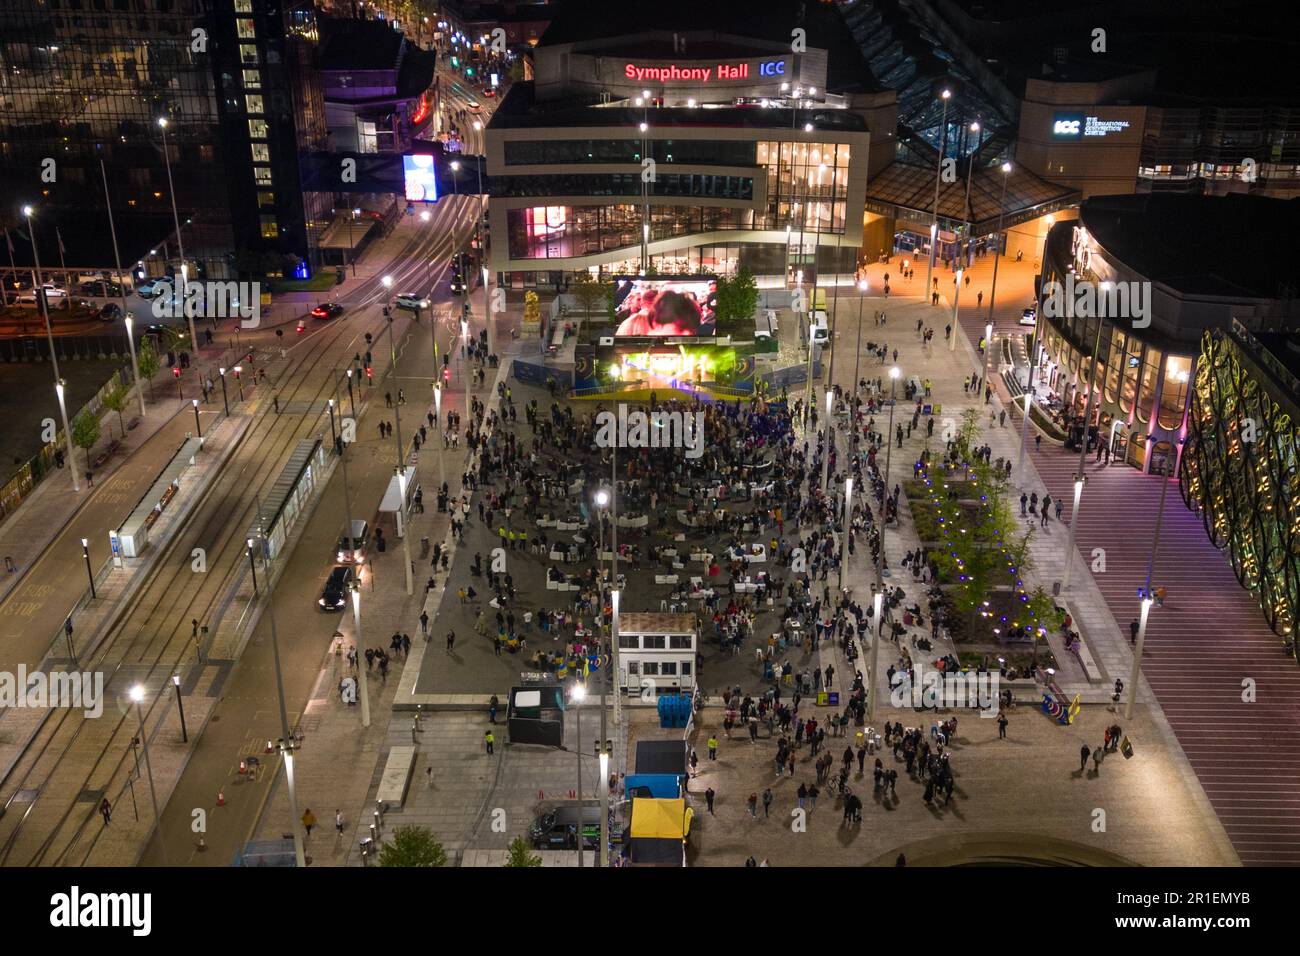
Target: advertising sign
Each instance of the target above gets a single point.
(419, 178)
(668, 306)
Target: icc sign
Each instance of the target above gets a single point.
(773, 68)
(1066, 128)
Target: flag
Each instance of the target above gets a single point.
(1075, 706)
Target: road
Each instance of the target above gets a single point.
(149, 642)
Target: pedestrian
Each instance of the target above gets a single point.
(767, 801)
(708, 798)
(1084, 754)
(424, 615)
(1097, 755)
(713, 746)
(1002, 725)
(451, 640)
(1133, 631)
(694, 761)
(801, 794)
(752, 804)
(338, 821)
(308, 820)
(105, 810)
(488, 741)
(492, 709)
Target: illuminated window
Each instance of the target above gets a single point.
(265, 198)
(245, 29)
(257, 129)
(262, 175)
(261, 153)
(1147, 390)
(1173, 394)
(252, 80)
(248, 54)
(1132, 366)
(253, 103)
(1115, 364)
(269, 229)
(243, 6)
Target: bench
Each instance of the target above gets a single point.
(107, 453)
(398, 769)
(665, 579)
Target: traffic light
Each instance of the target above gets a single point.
(369, 338)
(455, 63)
(446, 374)
(176, 371)
(369, 376)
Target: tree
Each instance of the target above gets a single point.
(115, 400)
(85, 433)
(412, 846)
(148, 362)
(737, 300)
(587, 290)
(521, 854)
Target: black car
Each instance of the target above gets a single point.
(334, 596)
(110, 312)
(457, 284)
(327, 310)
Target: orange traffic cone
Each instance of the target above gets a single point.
(243, 766)
(221, 797)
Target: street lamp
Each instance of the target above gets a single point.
(988, 351)
(894, 374)
(252, 564)
(180, 241)
(85, 553)
(198, 428)
(49, 331)
(334, 435)
(848, 527)
(578, 694)
(351, 399)
(225, 399)
(239, 380)
(135, 364)
(1024, 437)
(437, 417)
(137, 696)
(180, 706)
(361, 671)
(938, 172)
(964, 253)
(999, 239)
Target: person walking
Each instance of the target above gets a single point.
(451, 641)
(1097, 756)
(1002, 725)
(752, 805)
(1084, 753)
(489, 740)
(338, 821)
(493, 704)
(713, 747)
(308, 820)
(105, 810)
(424, 620)
(694, 762)
(708, 798)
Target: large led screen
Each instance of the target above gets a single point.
(418, 176)
(665, 305)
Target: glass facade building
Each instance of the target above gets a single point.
(1241, 466)
(85, 80)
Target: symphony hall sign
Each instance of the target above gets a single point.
(672, 73)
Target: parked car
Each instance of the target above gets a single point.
(53, 295)
(820, 331)
(110, 312)
(99, 287)
(1029, 316)
(152, 288)
(410, 300)
(334, 595)
(327, 310)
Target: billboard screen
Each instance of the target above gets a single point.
(418, 176)
(665, 305)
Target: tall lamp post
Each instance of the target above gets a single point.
(361, 671)
(1000, 240)
(602, 500)
(964, 246)
(938, 172)
(252, 564)
(1146, 597)
(49, 332)
(137, 696)
(894, 374)
(180, 707)
(578, 694)
(180, 241)
(85, 553)
(121, 287)
(401, 456)
(1080, 477)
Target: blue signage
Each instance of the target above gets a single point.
(772, 68)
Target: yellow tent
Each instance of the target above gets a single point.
(661, 819)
